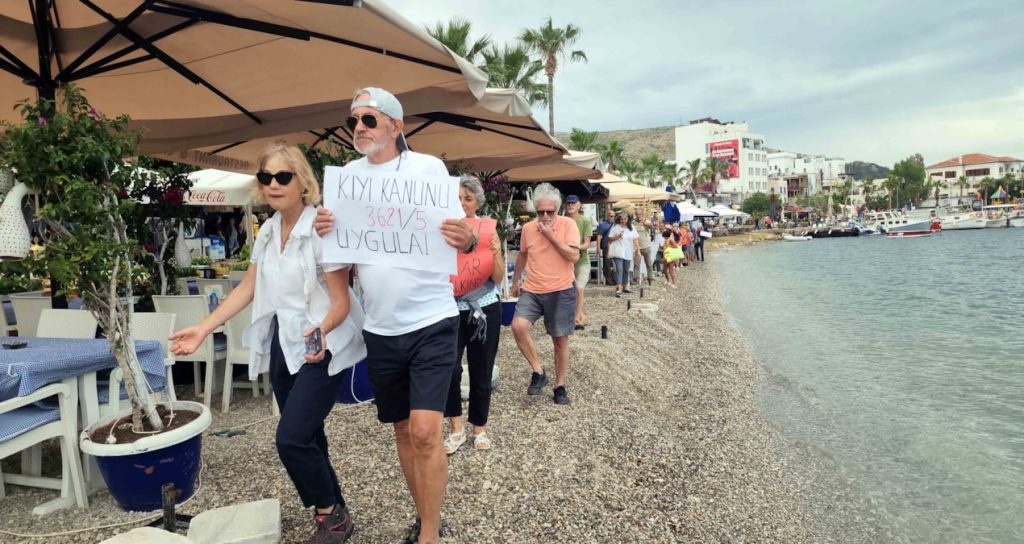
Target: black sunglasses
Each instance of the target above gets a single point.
(283, 178)
(370, 121)
(546, 212)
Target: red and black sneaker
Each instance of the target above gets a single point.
(333, 528)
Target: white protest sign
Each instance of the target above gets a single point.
(390, 218)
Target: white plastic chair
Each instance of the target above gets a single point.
(190, 310)
(205, 285)
(237, 354)
(157, 326)
(27, 308)
(25, 425)
(66, 324)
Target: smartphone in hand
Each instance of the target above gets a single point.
(314, 342)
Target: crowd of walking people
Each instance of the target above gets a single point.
(413, 327)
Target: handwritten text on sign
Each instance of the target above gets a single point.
(390, 218)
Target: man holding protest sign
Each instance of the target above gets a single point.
(548, 249)
(401, 224)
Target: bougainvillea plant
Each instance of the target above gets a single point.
(74, 157)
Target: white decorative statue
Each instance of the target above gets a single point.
(15, 241)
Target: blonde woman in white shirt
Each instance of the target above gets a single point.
(296, 298)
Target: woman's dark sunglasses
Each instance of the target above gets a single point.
(283, 178)
(368, 120)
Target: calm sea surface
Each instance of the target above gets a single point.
(903, 360)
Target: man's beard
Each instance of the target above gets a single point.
(370, 149)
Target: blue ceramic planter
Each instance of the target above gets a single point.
(135, 472)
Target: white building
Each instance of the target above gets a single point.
(975, 167)
(732, 143)
(815, 173)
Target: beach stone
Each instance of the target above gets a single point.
(257, 522)
(147, 535)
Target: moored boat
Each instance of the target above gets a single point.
(934, 226)
(791, 238)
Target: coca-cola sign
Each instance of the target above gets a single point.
(210, 197)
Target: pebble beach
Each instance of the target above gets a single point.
(663, 442)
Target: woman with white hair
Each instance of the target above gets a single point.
(476, 293)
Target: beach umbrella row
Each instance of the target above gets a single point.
(200, 73)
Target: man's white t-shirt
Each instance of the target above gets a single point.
(398, 300)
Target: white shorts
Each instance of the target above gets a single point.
(582, 273)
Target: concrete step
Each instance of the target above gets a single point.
(256, 522)
(147, 535)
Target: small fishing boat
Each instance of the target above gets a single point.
(936, 226)
(791, 238)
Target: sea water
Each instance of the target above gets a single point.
(903, 361)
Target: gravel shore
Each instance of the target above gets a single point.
(663, 442)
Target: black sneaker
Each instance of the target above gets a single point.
(414, 533)
(627, 292)
(333, 528)
(561, 395)
(537, 383)
(413, 536)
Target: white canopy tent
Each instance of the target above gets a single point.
(727, 212)
(687, 208)
(219, 188)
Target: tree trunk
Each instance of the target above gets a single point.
(551, 103)
(160, 260)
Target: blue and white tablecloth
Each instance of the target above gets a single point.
(50, 360)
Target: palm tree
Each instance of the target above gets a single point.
(611, 153)
(891, 185)
(938, 185)
(551, 43)
(512, 68)
(867, 188)
(691, 170)
(651, 168)
(582, 140)
(629, 169)
(962, 183)
(455, 36)
(713, 168)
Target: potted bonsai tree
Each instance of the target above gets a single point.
(74, 158)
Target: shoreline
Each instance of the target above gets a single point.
(664, 442)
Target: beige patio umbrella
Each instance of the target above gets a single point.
(198, 73)
(619, 190)
(575, 165)
(496, 133)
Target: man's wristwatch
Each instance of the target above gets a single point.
(472, 245)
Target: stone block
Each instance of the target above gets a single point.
(147, 535)
(256, 522)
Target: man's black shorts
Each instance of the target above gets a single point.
(412, 371)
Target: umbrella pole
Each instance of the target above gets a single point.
(46, 89)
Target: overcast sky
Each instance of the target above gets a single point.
(863, 80)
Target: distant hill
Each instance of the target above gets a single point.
(861, 170)
(639, 142)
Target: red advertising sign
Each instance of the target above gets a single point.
(727, 151)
